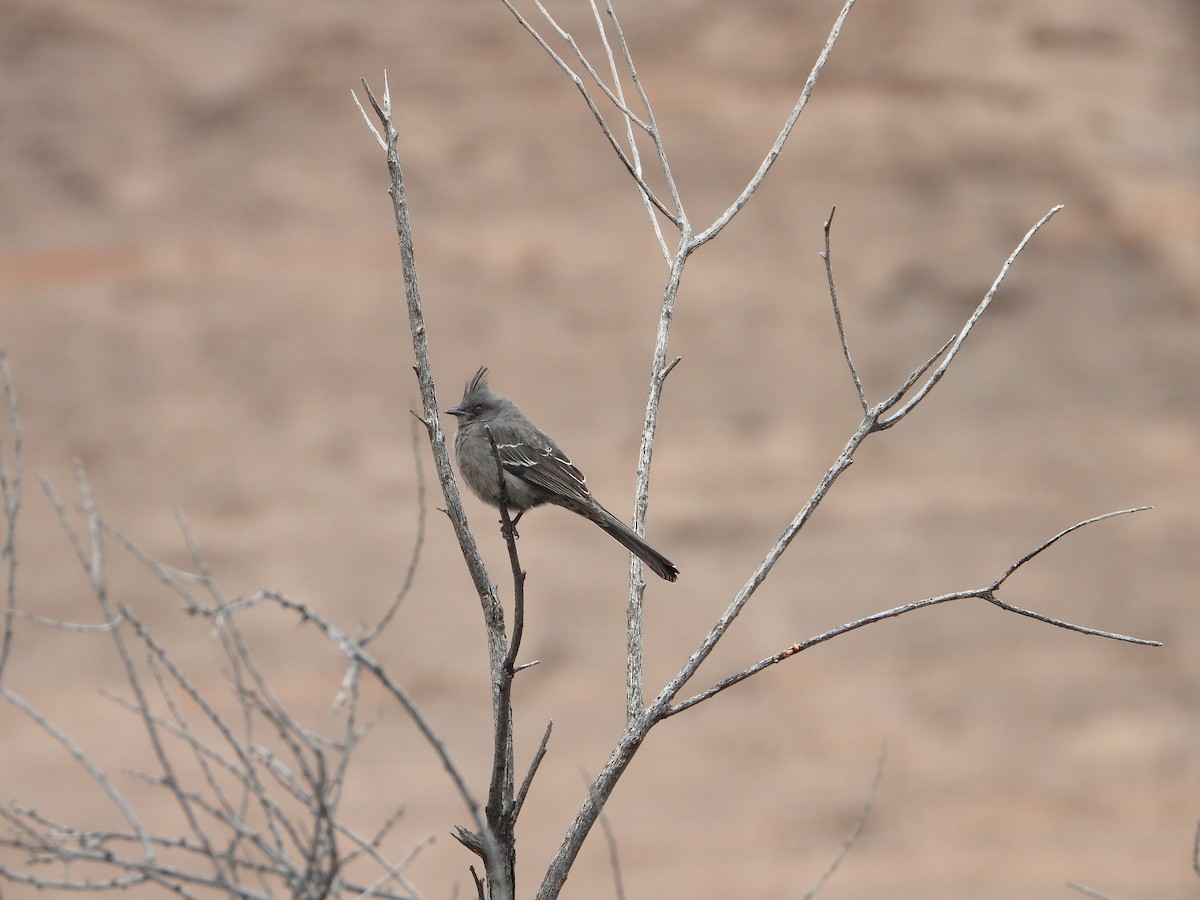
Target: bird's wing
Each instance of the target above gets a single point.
(545, 465)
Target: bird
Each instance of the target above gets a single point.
(536, 470)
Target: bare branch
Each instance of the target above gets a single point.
(478, 883)
(418, 543)
(175, 579)
(368, 662)
(394, 873)
(659, 369)
(1087, 891)
(248, 851)
(855, 830)
(61, 625)
(670, 367)
(870, 424)
(1196, 850)
(913, 377)
(610, 839)
(498, 853)
(367, 119)
(630, 167)
(99, 586)
(424, 372)
(597, 795)
(928, 386)
(789, 652)
(89, 765)
(614, 94)
(1050, 620)
(523, 791)
(655, 133)
(631, 135)
(844, 461)
(64, 520)
(500, 819)
(776, 148)
(10, 490)
(1062, 534)
(827, 256)
(984, 593)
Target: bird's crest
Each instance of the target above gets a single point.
(479, 382)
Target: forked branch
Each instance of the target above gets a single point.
(988, 593)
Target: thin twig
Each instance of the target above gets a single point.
(630, 167)
(956, 345)
(1087, 891)
(794, 649)
(610, 839)
(10, 489)
(1080, 629)
(372, 665)
(1046, 545)
(776, 148)
(984, 593)
(418, 543)
(64, 520)
(614, 94)
(913, 377)
(1196, 850)
(654, 131)
(855, 830)
(367, 119)
(89, 766)
(631, 135)
(523, 791)
(394, 873)
(61, 625)
(670, 367)
(827, 256)
(171, 577)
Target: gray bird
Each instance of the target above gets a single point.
(536, 471)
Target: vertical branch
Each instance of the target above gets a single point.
(659, 369)
(389, 139)
(10, 489)
(493, 612)
(501, 806)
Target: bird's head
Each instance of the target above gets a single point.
(478, 403)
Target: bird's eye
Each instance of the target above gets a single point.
(476, 409)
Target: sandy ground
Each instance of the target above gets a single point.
(202, 303)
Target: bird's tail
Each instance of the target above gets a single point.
(628, 538)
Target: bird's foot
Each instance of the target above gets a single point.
(511, 527)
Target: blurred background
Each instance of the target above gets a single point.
(201, 301)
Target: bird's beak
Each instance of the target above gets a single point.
(456, 411)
